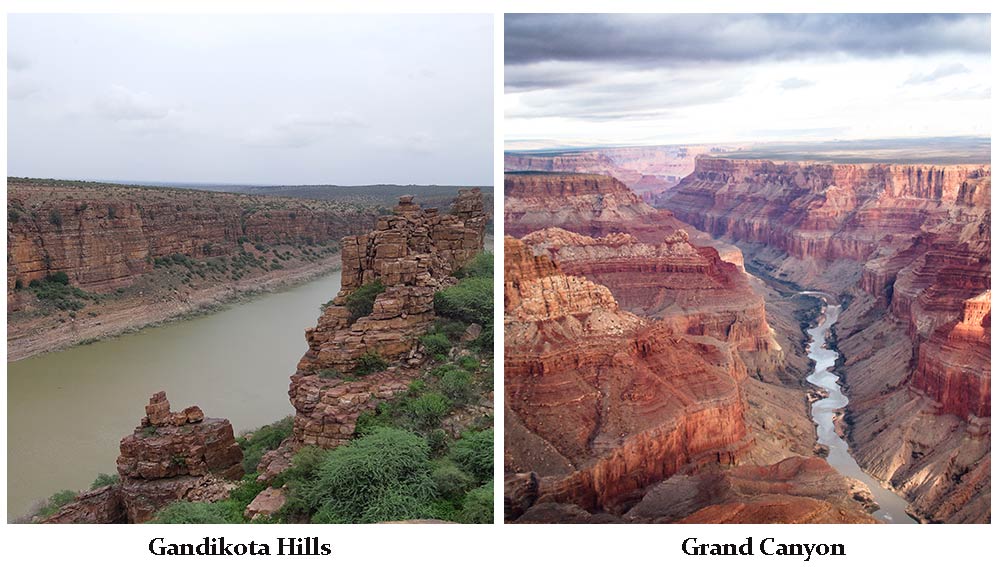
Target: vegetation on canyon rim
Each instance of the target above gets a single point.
(418, 455)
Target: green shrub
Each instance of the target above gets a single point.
(246, 491)
(56, 501)
(369, 363)
(361, 301)
(428, 409)
(471, 301)
(58, 278)
(449, 328)
(450, 482)
(55, 217)
(437, 440)
(469, 363)
(383, 476)
(436, 344)
(13, 216)
(474, 453)
(457, 385)
(264, 439)
(477, 507)
(296, 479)
(331, 374)
(479, 267)
(104, 479)
(55, 291)
(183, 512)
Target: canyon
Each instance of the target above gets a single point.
(184, 456)
(907, 249)
(131, 256)
(601, 289)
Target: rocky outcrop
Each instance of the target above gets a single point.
(326, 410)
(171, 456)
(266, 504)
(104, 236)
(101, 506)
(176, 456)
(621, 401)
(412, 254)
(795, 490)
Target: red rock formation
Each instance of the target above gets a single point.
(624, 402)
(591, 205)
(176, 456)
(101, 506)
(688, 287)
(822, 211)
(793, 491)
(413, 254)
(104, 236)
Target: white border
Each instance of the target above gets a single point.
(498, 544)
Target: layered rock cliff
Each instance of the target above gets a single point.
(688, 287)
(591, 205)
(616, 401)
(603, 404)
(910, 246)
(103, 236)
(412, 254)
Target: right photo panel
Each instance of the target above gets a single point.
(747, 268)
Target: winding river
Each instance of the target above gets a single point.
(67, 410)
(892, 507)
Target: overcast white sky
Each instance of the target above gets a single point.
(600, 79)
(342, 99)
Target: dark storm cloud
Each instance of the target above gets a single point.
(644, 40)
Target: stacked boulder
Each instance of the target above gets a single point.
(170, 456)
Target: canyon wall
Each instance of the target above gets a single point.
(103, 236)
(620, 401)
(910, 246)
(412, 254)
(591, 205)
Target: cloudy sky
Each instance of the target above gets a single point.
(592, 79)
(252, 99)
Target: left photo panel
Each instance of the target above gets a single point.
(250, 268)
